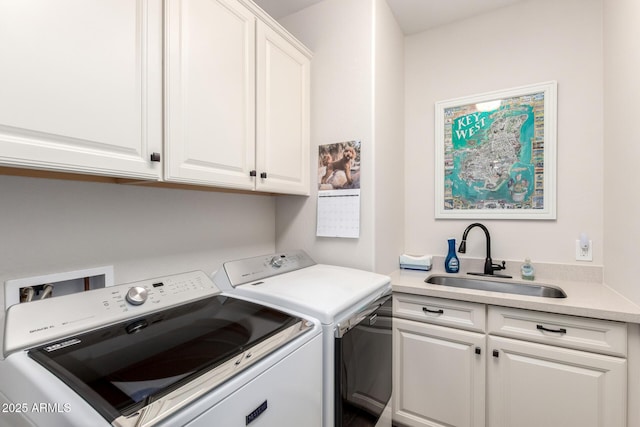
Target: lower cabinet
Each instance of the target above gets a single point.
(533, 385)
(438, 376)
(548, 370)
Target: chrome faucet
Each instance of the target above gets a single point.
(489, 266)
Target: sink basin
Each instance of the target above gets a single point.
(509, 287)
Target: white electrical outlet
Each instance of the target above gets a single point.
(584, 254)
(65, 283)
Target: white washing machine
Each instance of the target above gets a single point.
(354, 307)
(171, 351)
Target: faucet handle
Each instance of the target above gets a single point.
(496, 267)
(499, 267)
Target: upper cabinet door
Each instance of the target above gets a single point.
(210, 93)
(81, 86)
(282, 140)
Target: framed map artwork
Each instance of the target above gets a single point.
(496, 154)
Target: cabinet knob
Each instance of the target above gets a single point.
(263, 175)
(478, 350)
(496, 353)
(252, 173)
(155, 157)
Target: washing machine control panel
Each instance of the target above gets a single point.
(33, 323)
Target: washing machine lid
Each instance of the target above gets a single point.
(143, 367)
(326, 292)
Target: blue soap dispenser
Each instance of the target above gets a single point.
(452, 263)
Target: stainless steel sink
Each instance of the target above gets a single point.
(509, 287)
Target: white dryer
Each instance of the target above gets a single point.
(354, 308)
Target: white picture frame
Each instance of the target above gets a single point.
(495, 154)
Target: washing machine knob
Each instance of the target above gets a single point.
(137, 295)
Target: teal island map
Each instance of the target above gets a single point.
(494, 154)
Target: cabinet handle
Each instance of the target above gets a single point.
(252, 173)
(556, 331)
(496, 353)
(426, 310)
(155, 157)
(478, 350)
(263, 175)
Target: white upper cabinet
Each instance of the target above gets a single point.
(81, 90)
(210, 93)
(282, 141)
(237, 99)
(81, 86)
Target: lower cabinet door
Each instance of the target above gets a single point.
(534, 385)
(438, 376)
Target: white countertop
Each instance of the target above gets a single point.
(585, 299)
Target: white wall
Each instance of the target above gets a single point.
(622, 145)
(530, 42)
(338, 32)
(344, 101)
(54, 226)
(389, 139)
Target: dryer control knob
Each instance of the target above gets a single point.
(277, 261)
(137, 295)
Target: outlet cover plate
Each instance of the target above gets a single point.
(584, 254)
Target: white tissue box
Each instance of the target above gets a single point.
(413, 262)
